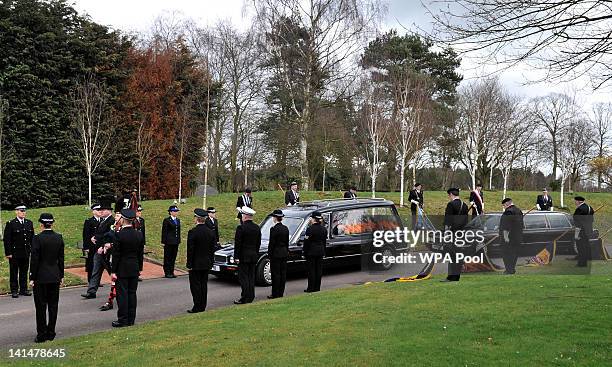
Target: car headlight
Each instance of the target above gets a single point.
(231, 259)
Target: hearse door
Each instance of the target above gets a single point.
(347, 234)
(536, 235)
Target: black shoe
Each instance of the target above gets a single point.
(170, 276)
(107, 306)
(88, 295)
(50, 336)
(581, 265)
(14, 295)
(449, 280)
(139, 279)
(307, 291)
(25, 293)
(271, 297)
(239, 302)
(194, 311)
(40, 339)
(119, 324)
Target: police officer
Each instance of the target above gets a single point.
(314, 251)
(99, 240)
(278, 251)
(245, 199)
(170, 239)
(247, 241)
(416, 201)
(455, 218)
(46, 275)
(200, 253)
(511, 234)
(351, 193)
(212, 223)
(477, 200)
(89, 229)
(583, 219)
(127, 252)
(292, 196)
(18, 235)
(544, 202)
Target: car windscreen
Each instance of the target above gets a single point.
(292, 223)
(485, 222)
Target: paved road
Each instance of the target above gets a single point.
(157, 299)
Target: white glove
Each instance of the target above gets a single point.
(506, 236)
(538, 206)
(414, 202)
(577, 234)
(471, 203)
(552, 209)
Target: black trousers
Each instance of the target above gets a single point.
(89, 264)
(315, 272)
(246, 276)
(584, 251)
(454, 267)
(510, 256)
(170, 252)
(414, 219)
(126, 299)
(19, 274)
(278, 268)
(46, 298)
(198, 284)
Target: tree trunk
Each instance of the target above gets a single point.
(402, 170)
(89, 187)
(303, 157)
(323, 189)
(139, 181)
(491, 179)
(373, 185)
(561, 201)
(506, 173)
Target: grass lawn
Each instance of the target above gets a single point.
(484, 320)
(69, 219)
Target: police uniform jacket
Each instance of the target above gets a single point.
(104, 231)
(47, 262)
(18, 238)
(544, 204)
(278, 247)
(414, 195)
(583, 219)
(247, 241)
(171, 232)
(214, 226)
(89, 230)
(200, 248)
(291, 197)
(127, 253)
(315, 240)
(512, 221)
(244, 200)
(455, 215)
(349, 195)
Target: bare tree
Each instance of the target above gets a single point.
(564, 38)
(553, 114)
(516, 138)
(375, 123)
(573, 151)
(91, 121)
(412, 95)
(601, 120)
(327, 35)
(482, 111)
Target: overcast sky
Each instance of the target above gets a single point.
(138, 15)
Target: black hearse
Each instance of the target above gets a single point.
(349, 224)
(540, 229)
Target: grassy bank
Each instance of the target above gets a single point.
(484, 320)
(70, 218)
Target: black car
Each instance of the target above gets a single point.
(540, 229)
(349, 223)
